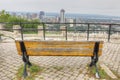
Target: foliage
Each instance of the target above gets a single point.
(102, 73)
(77, 28)
(4, 16)
(14, 20)
(33, 70)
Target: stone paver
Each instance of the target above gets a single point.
(72, 68)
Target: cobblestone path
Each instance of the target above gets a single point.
(73, 68)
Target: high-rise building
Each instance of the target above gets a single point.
(42, 15)
(62, 16)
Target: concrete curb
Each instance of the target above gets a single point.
(108, 71)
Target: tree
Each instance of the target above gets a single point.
(14, 20)
(4, 16)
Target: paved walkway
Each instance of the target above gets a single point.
(72, 68)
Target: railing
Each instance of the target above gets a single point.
(66, 31)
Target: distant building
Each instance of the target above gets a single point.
(71, 20)
(29, 16)
(62, 16)
(13, 13)
(42, 16)
(34, 16)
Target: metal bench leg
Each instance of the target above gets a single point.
(97, 72)
(26, 62)
(94, 59)
(25, 58)
(25, 70)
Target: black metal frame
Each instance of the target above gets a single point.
(25, 58)
(94, 58)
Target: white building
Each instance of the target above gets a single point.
(62, 16)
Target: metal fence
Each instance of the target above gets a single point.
(64, 31)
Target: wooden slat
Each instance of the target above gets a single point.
(59, 48)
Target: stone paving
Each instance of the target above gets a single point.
(72, 68)
(111, 56)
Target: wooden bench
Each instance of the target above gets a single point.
(91, 49)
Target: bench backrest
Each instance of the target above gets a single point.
(59, 48)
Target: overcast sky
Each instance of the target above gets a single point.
(104, 7)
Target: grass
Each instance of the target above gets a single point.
(58, 68)
(1, 35)
(33, 70)
(102, 73)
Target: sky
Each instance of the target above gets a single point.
(102, 7)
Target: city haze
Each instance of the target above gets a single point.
(102, 7)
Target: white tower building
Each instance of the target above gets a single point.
(62, 16)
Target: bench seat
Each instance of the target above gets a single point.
(59, 48)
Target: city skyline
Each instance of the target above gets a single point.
(100, 7)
